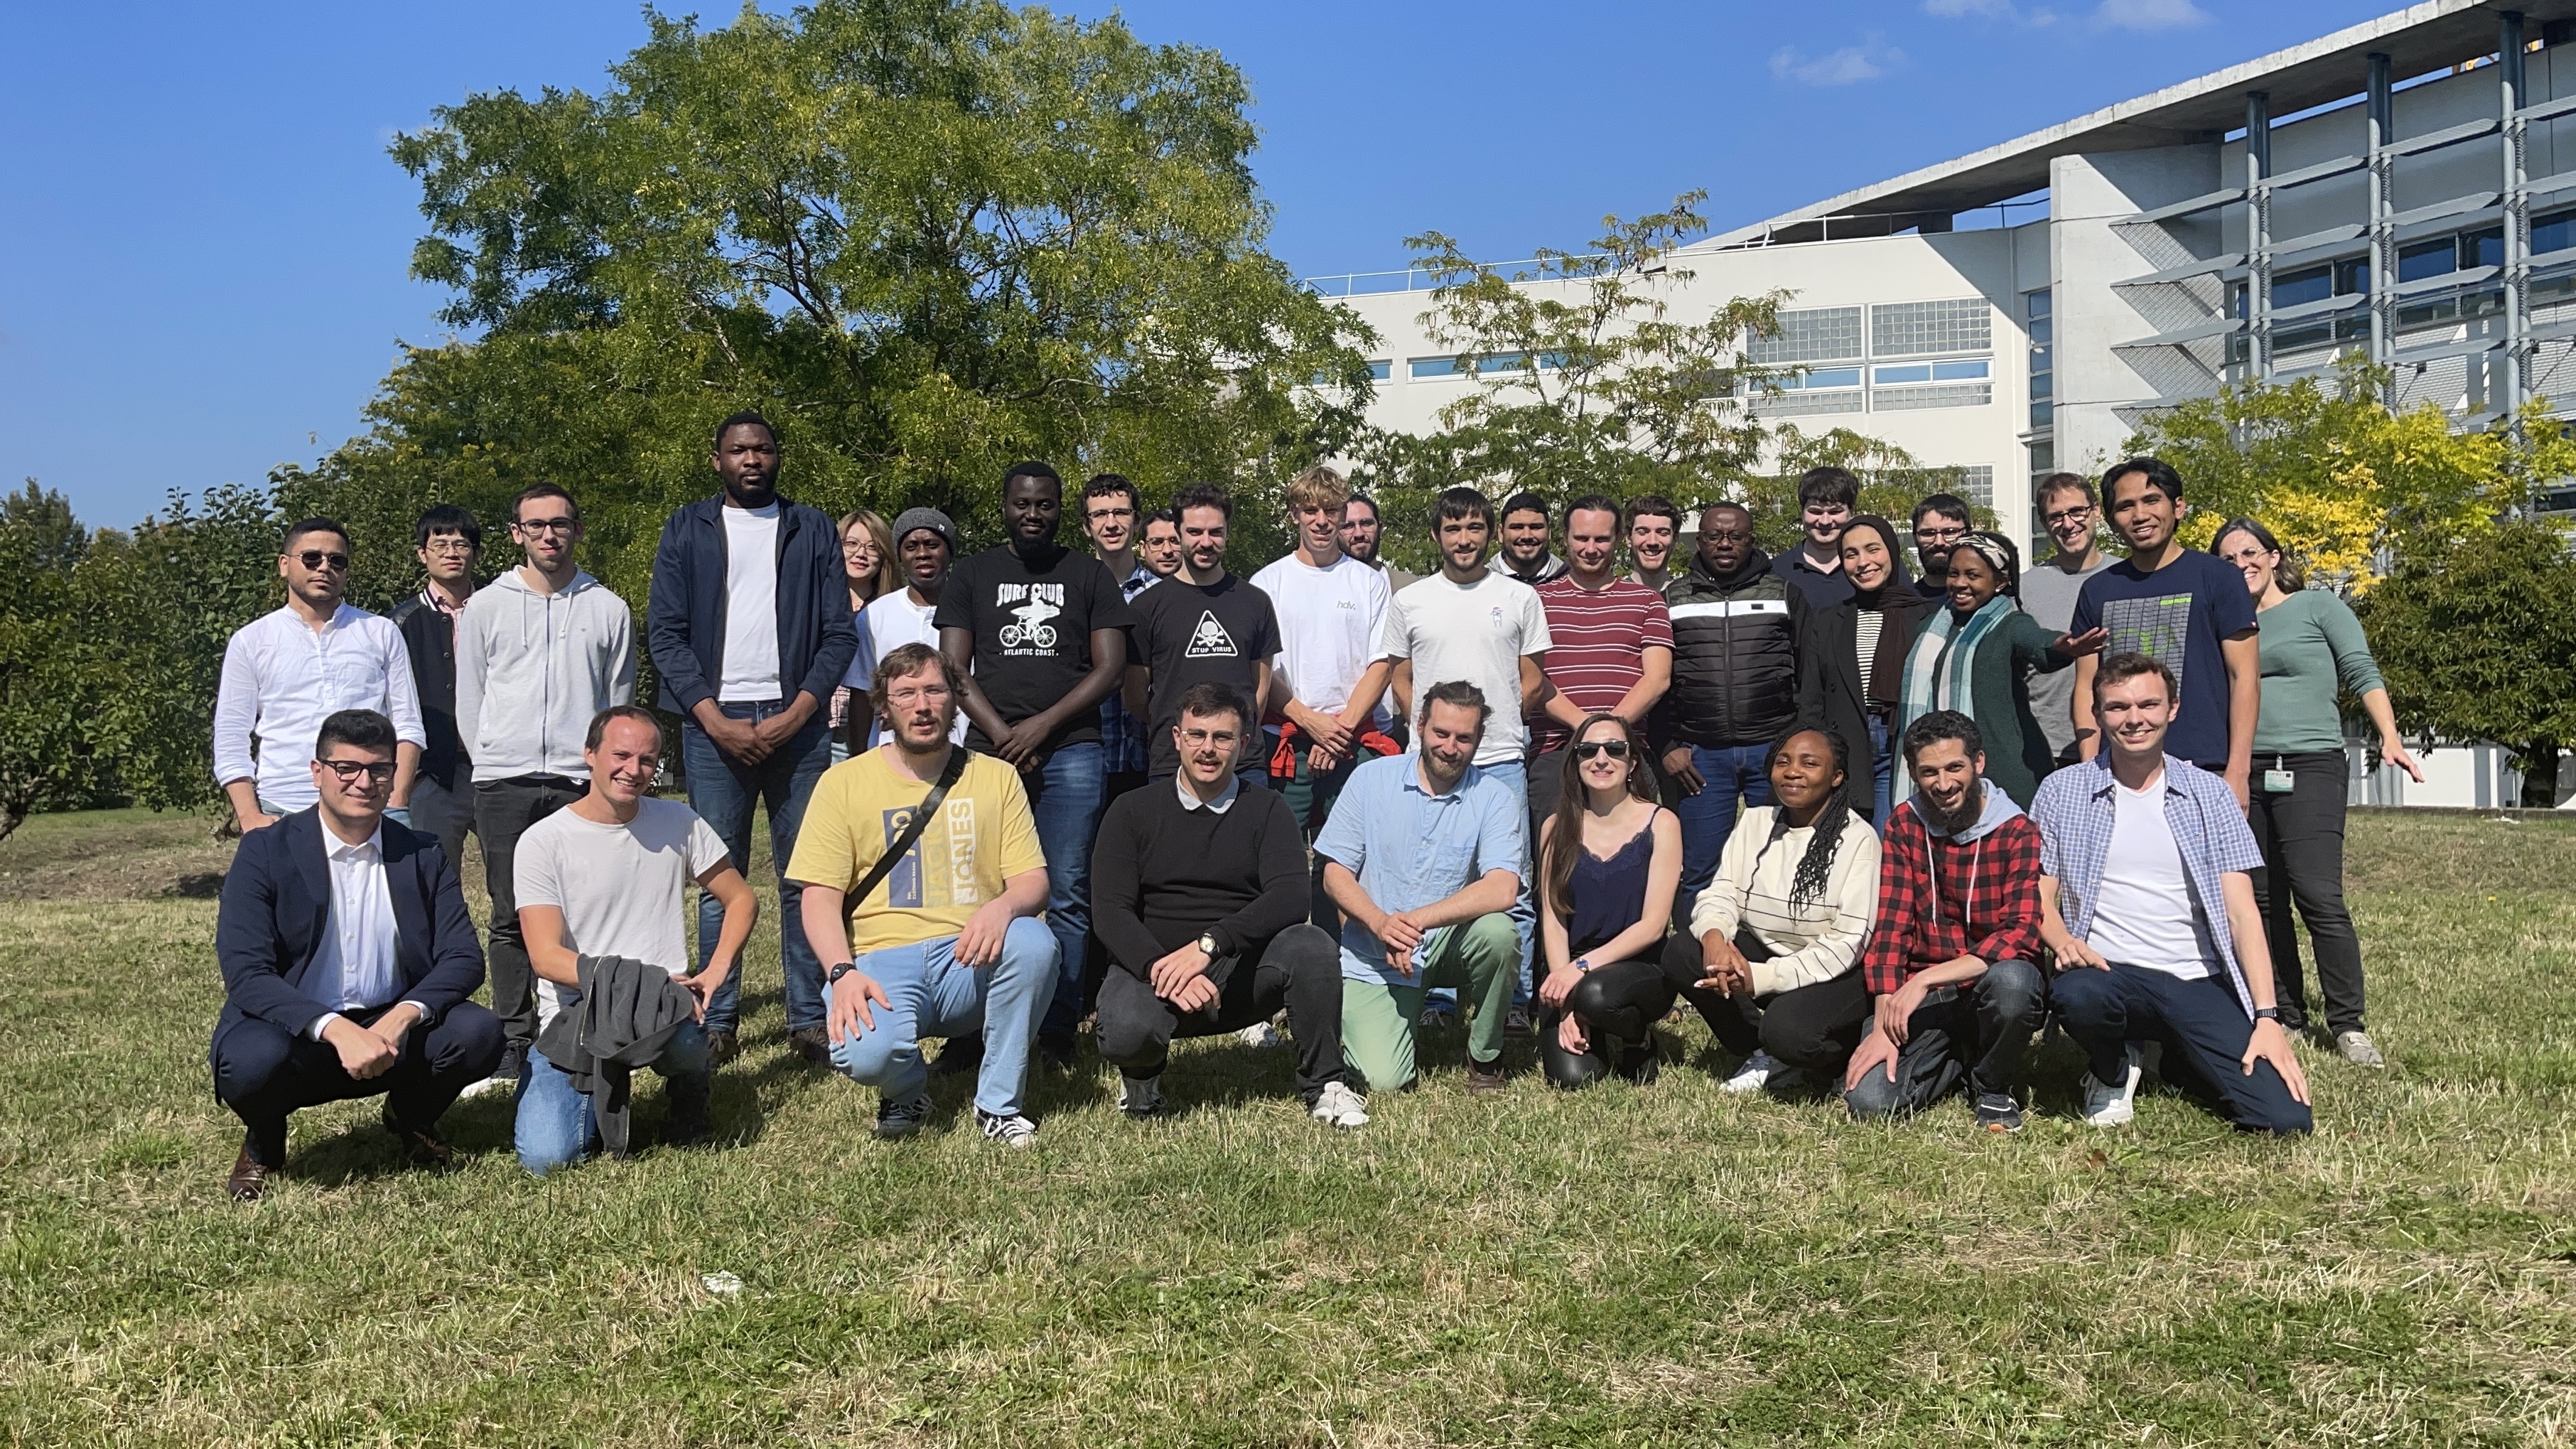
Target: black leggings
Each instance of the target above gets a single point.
(1815, 1027)
(1618, 1005)
(2300, 833)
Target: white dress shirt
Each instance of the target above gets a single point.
(355, 968)
(282, 678)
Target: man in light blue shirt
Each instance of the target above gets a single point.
(1423, 855)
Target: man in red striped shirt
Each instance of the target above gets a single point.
(1949, 961)
(1611, 649)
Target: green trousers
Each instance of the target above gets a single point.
(1481, 956)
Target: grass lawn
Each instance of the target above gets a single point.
(1668, 1265)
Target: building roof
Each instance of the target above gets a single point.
(2417, 40)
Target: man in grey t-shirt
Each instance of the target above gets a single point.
(2070, 512)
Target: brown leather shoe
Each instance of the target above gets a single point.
(1484, 1077)
(421, 1145)
(249, 1177)
(722, 1047)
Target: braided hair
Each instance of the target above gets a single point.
(1815, 868)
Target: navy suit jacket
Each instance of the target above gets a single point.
(276, 914)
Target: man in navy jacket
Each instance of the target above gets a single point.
(348, 958)
(749, 627)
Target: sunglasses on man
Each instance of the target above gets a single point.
(316, 559)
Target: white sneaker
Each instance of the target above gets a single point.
(1015, 1130)
(2108, 1106)
(1338, 1106)
(1259, 1034)
(1755, 1072)
(488, 1084)
(1140, 1096)
(2358, 1049)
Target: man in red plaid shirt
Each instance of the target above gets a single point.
(1949, 963)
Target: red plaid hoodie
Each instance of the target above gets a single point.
(1941, 897)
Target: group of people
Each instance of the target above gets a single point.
(1036, 784)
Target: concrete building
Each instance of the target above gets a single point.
(2406, 187)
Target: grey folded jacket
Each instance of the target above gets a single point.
(628, 1012)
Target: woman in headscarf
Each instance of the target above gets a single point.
(1976, 655)
(1857, 652)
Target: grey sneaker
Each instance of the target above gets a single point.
(1258, 1035)
(898, 1120)
(1338, 1106)
(1999, 1113)
(1758, 1069)
(2358, 1049)
(1015, 1130)
(1139, 1096)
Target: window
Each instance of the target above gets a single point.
(1816, 379)
(2482, 248)
(1977, 484)
(2427, 259)
(1911, 329)
(1823, 334)
(2042, 322)
(2555, 232)
(1382, 369)
(1436, 367)
(1433, 367)
(2309, 284)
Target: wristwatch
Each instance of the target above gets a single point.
(844, 969)
(1582, 963)
(2267, 1013)
(1207, 943)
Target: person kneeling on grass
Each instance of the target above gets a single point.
(2148, 903)
(1772, 957)
(1610, 859)
(1949, 964)
(348, 959)
(1198, 889)
(922, 886)
(602, 888)
(1423, 855)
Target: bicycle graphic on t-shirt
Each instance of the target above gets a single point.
(1030, 627)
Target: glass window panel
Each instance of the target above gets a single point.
(1960, 371)
(2427, 259)
(2482, 248)
(1913, 372)
(1822, 377)
(2555, 232)
(2041, 386)
(1910, 329)
(1382, 370)
(2038, 304)
(2043, 359)
(1508, 362)
(1434, 367)
(1823, 334)
(2042, 414)
(2314, 284)
(2043, 330)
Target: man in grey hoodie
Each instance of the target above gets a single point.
(539, 651)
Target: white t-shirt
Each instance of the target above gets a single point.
(1329, 623)
(2144, 913)
(751, 606)
(1477, 632)
(621, 888)
(889, 622)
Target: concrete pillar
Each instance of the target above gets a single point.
(2086, 195)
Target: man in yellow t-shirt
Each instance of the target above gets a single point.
(949, 941)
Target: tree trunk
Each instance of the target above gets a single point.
(2539, 766)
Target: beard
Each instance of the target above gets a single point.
(1948, 822)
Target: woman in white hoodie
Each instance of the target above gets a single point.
(1772, 956)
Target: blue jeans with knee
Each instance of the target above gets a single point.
(723, 791)
(1066, 797)
(1736, 781)
(929, 994)
(2204, 1029)
(556, 1125)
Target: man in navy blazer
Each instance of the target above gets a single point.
(348, 958)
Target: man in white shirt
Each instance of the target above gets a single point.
(286, 672)
(539, 651)
(925, 544)
(608, 875)
(349, 963)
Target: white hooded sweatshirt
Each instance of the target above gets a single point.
(531, 670)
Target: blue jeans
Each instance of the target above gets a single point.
(2204, 1029)
(1736, 781)
(723, 790)
(1882, 775)
(929, 994)
(1066, 797)
(556, 1126)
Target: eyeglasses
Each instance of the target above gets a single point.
(1926, 533)
(1615, 749)
(2077, 514)
(533, 526)
(317, 559)
(1224, 738)
(447, 545)
(377, 772)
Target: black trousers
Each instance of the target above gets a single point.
(2301, 836)
(264, 1074)
(1300, 967)
(503, 811)
(1618, 1005)
(1814, 1027)
(1978, 1031)
(2204, 1029)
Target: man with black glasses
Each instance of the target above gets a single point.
(1940, 521)
(2069, 511)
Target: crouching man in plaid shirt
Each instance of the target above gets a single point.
(2149, 906)
(1949, 963)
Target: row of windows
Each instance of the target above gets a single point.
(2417, 261)
(1820, 378)
(1383, 369)
(1895, 329)
(2038, 318)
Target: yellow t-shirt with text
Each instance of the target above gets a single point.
(983, 836)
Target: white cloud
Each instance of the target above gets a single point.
(1868, 60)
(2149, 14)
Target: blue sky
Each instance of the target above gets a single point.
(202, 262)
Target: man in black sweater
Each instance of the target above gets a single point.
(1199, 892)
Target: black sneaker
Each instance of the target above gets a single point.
(812, 1043)
(722, 1046)
(1058, 1055)
(898, 1120)
(1486, 1077)
(1642, 1065)
(1998, 1112)
(690, 1121)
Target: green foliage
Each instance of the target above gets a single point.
(2477, 642)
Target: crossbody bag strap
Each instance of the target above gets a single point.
(895, 850)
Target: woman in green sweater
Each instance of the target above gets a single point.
(2311, 646)
(1976, 655)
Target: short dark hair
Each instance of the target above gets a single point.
(315, 524)
(1202, 495)
(1948, 505)
(2056, 483)
(1106, 485)
(1159, 515)
(363, 728)
(1728, 503)
(2130, 665)
(1829, 485)
(744, 419)
(1364, 501)
(542, 490)
(599, 724)
(1208, 698)
(1593, 503)
(1650, 505)
(446, 518)
(1461, 503)
(1526, 502)
(1032, 468)
(1939, 725)
(902, 662)
(2159, 475)
(1457, 692)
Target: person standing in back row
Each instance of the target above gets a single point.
(1940, 521)
(1654, 526)
(1202, 626)
(2070, 512)
(750, 628)
(450, 546)
(539, 652)
(1361, 528)
(1112, 515)
(1827, 499)
(925, 545)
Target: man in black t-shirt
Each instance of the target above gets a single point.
(1036, 635)
(1201, 626)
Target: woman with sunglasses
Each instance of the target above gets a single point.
(1858, 650)
(1772, 956)
(871, 568)
(1610, 859)
(1977, 657)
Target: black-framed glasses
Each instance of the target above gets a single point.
(2078, 514)
(378, 771)
(1615, 749)
(1940, 535)
(547, 525)
(317, 558)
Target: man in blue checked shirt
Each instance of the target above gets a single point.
(1422, 854)
(2148, 904)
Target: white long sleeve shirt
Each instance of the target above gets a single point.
(1814, 942)
(282, 678)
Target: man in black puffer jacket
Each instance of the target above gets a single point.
(1738, 632)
